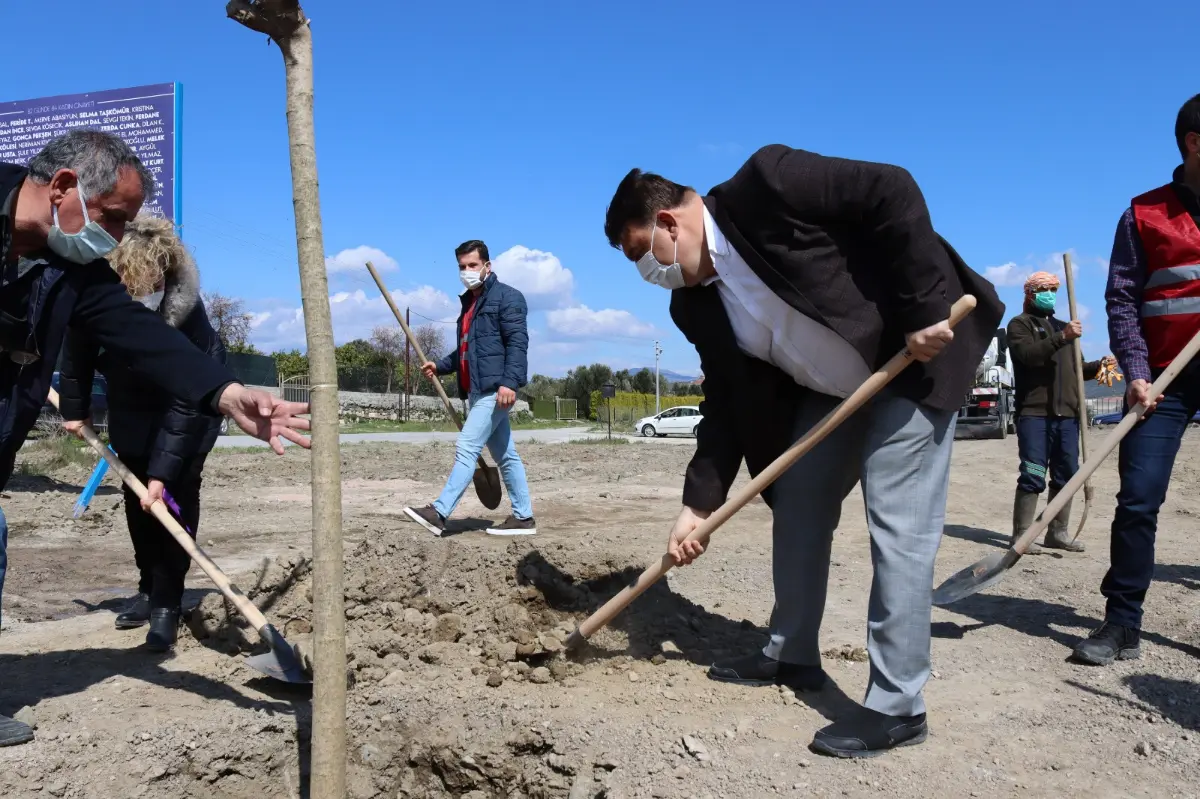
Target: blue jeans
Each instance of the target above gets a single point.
(486, 424)
(1048, 446)
(3, 552)
(1146, 459)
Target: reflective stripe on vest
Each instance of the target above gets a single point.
(1171, 294)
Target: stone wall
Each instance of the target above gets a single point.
(365, 405)
(362, 405)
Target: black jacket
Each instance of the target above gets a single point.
(1044, 366)
(851, 245)
(498, 341)
(54, 294)
(143, 421)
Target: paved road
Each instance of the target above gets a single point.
(553, 436)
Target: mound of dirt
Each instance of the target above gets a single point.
(471, 624)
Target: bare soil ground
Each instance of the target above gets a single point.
(458, 688)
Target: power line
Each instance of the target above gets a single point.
(427, 319)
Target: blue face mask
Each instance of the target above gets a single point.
(89, 244)
(1044, 300)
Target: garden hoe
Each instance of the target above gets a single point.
(487, 478)
(846, 408)
(992, 569)
(282, 662)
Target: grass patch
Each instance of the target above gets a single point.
(602, 441)
(52, 454)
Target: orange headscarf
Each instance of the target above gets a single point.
(1041, 281)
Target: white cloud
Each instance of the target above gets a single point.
(354, 314)
(1083, 311)
(1008, 274)
(581, 321)
(1014, 274)
(356, 258)
(540, 276)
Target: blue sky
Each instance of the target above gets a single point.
(1029, 126)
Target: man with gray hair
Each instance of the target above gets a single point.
(58, 219)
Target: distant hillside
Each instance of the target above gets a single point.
(671, 377)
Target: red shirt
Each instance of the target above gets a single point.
(464, 372)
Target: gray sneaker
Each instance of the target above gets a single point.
(514, 526)
(427, 517)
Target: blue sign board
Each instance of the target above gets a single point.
(146, 117)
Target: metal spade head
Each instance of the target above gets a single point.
(281, 662)
(975, 578)
(575, 641)
(487, 486)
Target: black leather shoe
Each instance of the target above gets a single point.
(868, 733)
(1108, 643)
(164, 628)
(758, 669)
(137, 614)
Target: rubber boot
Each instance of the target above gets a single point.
(1057, 534)
(1024, 512)
(164, 628)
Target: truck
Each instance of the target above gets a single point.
(989, 409)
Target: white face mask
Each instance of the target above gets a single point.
(152, 301)
(89, 244)
(669, 277)
(471, 280)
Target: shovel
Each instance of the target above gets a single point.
(281, 662)
(992, 569)
(486, 478)
(844, 409)
(89, 490)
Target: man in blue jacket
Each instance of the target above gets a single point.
(491, 363)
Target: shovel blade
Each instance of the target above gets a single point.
(487, 486)
(281, 662)
(975, 578)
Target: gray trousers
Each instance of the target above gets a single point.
(901, 452)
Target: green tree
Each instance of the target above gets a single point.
(543, 388)
(290, 363)
(582, 381)
(642, 382)
(357, 354)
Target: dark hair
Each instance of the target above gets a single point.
(468, 247)
(1187, 122)
(638, 198)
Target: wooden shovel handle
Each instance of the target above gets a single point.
(1077, 354)
(1106, 447)
(160, 512)
(437, 384)
(846, 408)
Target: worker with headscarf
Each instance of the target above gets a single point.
(1047, 400)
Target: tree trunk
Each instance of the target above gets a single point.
(285, 23)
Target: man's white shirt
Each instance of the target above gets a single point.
(769, 329)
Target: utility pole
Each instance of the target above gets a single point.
(657, 352)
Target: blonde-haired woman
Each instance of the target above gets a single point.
(162, 440)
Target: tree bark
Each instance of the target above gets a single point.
(284, 21)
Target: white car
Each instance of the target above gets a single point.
(681, 420)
